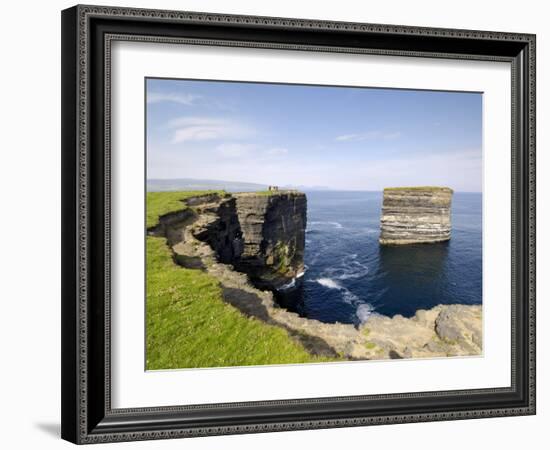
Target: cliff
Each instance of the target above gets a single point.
(273, 234)
(412, 215)
(260, 234)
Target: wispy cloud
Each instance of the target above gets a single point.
(181, 98)
(381, 135)
(207, 129)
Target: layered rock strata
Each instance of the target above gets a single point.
(414, 215)
(208, 237)
(273, 233)
(260, 234)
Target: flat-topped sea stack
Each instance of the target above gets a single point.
(416, 215)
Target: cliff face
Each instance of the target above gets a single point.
(416, 215)
(260, 234)
(273, 235)
(218, 225)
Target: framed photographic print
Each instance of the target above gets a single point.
(267, 222)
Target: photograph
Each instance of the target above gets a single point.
(272, 222)
(297, 224)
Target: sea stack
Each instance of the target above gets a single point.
(416, 215)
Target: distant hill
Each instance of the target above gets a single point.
(301, 187)
(190, 184)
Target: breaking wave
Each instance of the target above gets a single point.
(364, 311)
(329, 283)
(285, 287)
(333, 224)
(347, 296)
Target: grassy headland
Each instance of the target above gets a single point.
(188, 323)
(160, 203)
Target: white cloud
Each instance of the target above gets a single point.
(188, 129)
(183, 99)
(354, 137)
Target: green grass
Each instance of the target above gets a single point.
(160, 203)
(189, 324)
(282, 258)
(418, 188)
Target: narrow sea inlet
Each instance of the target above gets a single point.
(350, 276)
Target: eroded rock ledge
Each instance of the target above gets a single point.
(209, 235)
(445, 330)
(412, 215)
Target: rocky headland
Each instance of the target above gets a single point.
(415, 215)
(273, 227)
(253, 243)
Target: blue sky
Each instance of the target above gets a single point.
(337, 137)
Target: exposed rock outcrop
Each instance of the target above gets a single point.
(445, 330)
(413, 215)
(273, 233)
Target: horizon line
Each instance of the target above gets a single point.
(327, 188)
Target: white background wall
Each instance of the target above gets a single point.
(30, 225)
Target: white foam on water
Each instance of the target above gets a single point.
(329, 283)
(347, 296)
(349, 268)
(364, 311)
(334, 224)
(288, 285)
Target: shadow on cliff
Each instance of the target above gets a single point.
(251, 305)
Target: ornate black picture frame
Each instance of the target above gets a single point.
(87, 34)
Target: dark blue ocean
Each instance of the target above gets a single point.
(349, 275)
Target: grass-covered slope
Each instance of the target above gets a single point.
(189, 324)
(160, 203)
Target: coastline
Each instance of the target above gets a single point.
(444, 330)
